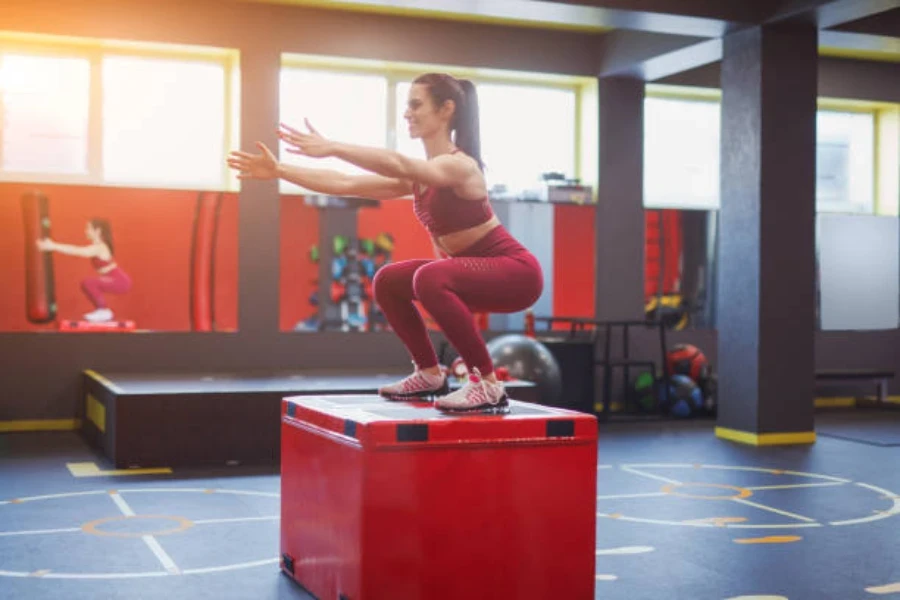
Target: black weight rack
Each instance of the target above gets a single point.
(624, 361)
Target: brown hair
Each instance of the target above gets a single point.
(105, 229)
(465, 122)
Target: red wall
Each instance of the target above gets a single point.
(300, 231)
(573, 261)
(152, 231)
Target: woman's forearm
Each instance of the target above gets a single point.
(377, 160)
(72, 250)
(323, 181)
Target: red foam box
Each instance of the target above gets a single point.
(388, 500)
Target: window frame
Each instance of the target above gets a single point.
(95, 51)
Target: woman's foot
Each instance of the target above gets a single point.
(99, 316)
(478, 395)
(422, 384)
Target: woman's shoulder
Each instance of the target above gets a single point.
(101, 250)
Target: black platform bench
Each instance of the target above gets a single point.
(880, 377)
(194, 419)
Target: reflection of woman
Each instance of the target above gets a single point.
(110, 278)
(484, 268)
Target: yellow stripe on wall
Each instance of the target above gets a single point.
(766, 439)
(838, 401)
(40, 425)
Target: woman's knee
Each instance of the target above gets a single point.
(390, 281)
(429, 282)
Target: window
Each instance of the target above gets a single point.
(681, 153)
(681, 156)
(845, 162)
(365, 105)
(514, 156)
(526, 131)
(163, 121)
(45, 104)
(153, 116)
(347, 107)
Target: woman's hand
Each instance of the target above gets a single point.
(254, 166)
(310, 144)
(46, 244)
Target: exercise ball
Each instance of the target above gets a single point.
(644, 390)
(685, 398)
(685, 359)
(527, 359)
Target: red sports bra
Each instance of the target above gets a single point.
(442, 211)
(99, 263)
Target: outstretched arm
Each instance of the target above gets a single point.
(83, 251)
(334, 183)
(323, 181)
(443, 171)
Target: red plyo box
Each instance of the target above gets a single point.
(396, 500)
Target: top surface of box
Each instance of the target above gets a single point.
(371, 419)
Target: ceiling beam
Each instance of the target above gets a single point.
(677, 61)
(625, 53)
(702, 18)
(848, 44)
(826, 14)
(886, 24)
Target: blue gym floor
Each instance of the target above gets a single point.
(681, 514)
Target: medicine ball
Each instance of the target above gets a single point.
(685, 359)
(644, 390)
(685, 398)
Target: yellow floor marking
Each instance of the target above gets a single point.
(772, 539)
(40, 573)
(891, 588)
(89, 469)
(40, 425)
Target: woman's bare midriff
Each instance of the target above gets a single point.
(456, 242)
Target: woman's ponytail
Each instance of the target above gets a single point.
(467, 124)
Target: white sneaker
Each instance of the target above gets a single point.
(419, 385)
(477, 395)
(99, 316)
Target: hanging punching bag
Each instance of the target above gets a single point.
(40, 293)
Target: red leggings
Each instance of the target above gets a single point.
(116, 281)
(496, 274)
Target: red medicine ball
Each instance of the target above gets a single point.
(685, 359)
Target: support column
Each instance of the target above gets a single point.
(258, 201)
(766, 282)
(620, 211)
